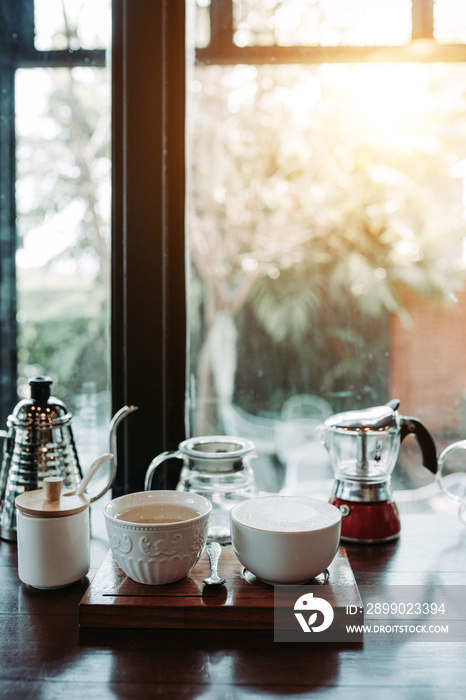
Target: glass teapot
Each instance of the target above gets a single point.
(217, 467)
(452, 481)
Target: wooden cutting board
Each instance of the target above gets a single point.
(244, 602)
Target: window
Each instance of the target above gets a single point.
(288, 181)
(56, 208)
(326, 222)
(147, 178)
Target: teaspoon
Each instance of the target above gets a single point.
(214, 550)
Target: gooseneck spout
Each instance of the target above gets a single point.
(114, 423)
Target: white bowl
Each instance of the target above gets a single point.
(285, 540)
(157, 553)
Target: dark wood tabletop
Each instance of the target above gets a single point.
(44, 653)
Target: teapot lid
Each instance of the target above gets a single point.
(376, 419)
(50, 502)
(40, 389)
(41, 410)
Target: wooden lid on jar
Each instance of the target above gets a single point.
(50, 501)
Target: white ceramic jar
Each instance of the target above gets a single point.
(53, 536)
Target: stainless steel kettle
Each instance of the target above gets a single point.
(39, 443)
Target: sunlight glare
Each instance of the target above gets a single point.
(382, 101)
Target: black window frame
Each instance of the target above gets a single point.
(149, 343)
(148, 335)
(422, 47)
(148, 339)
(148, 306)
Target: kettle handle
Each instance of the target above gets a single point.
(5, 435)
(156, 462)
(413, 426)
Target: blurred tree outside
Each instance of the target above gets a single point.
(317, 194)
(63, 199)
(63, 195)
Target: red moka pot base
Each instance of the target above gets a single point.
(369, 522)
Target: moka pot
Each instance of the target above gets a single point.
(363, 447)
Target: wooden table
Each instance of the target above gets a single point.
(43, 653)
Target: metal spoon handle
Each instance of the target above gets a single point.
(214, 550)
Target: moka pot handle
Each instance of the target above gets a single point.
(413, 426)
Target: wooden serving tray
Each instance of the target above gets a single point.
(244, 602)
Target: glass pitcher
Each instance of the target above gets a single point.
(453, 481)
(217, 467)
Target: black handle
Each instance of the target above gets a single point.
(413, 426)
(40, 389)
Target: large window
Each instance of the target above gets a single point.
(56, 188)
(326, 223)
(291, 173)
(56, 157)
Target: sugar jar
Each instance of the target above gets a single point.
(53, 535)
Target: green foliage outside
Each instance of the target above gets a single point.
(65, 336)
(63, 194)
(312, 206)
(323, 194)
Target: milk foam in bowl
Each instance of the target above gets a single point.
(285, 539)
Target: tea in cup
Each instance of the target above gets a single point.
(157, 537)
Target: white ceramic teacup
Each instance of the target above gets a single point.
(157, 537)
(285, 539)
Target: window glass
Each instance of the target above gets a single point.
(71, 24)
(449, 22)
(201, 23)
(63, 252)
(323, 22)
(326, 223)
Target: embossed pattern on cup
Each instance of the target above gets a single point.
(157, 553)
